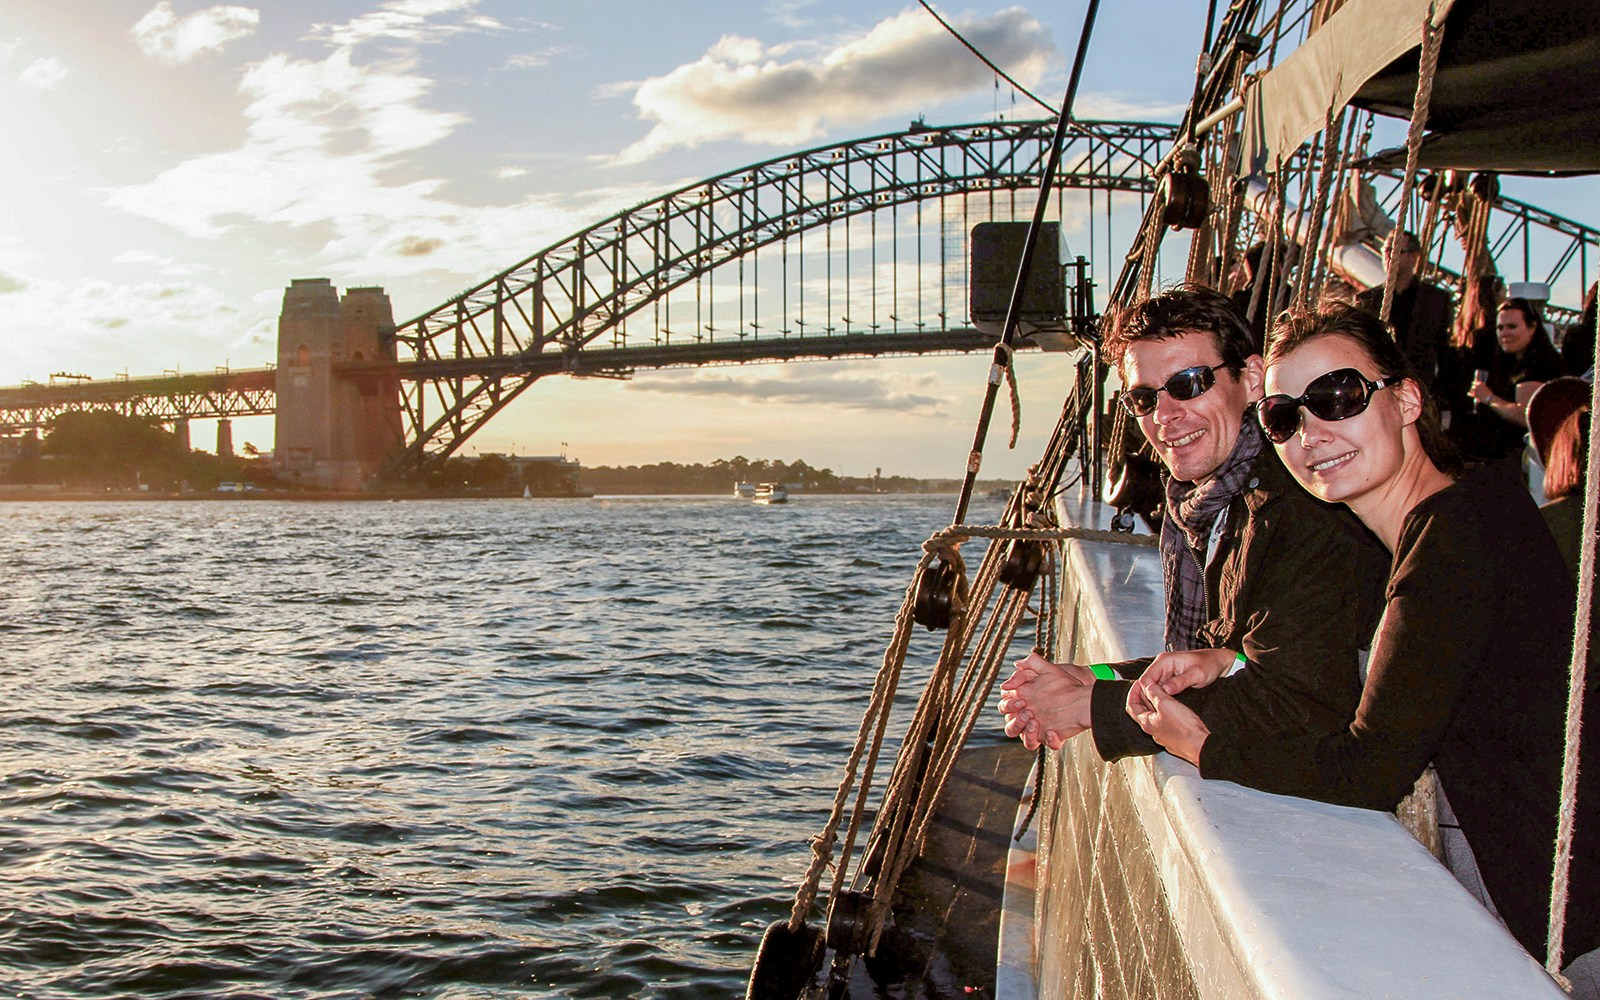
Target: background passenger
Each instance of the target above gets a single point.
(1558, 422)
(1523, 360)
(1577, 344)
(1421, 314)
(1471, 347)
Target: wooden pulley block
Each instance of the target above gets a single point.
(1485, 184)
(1023, 560)
(1187, 199)
(1439, 184)
(786, 963)
(942, 591)
(848, 920)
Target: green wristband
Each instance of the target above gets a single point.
(1102, 672)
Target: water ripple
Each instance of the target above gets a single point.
(432, 749)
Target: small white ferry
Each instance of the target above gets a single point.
(771, 493)
(744, 491)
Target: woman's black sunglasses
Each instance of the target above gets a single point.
(1187, 384)
(1338, 395)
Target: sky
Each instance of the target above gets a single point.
(170, 167)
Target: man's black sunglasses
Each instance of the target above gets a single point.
(1338, 395)
(1187, 384)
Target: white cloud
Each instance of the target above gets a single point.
(850, 387)
(139, 257)
(318, 135)
(510, 173)
(1115, 107)
(323, 140)
(407, 21)
(541, 57)
(92, 322)
(44, 73)
(167, 267)
(165, 36)
(741, 89)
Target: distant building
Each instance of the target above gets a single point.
(335, 429)
(547, 475)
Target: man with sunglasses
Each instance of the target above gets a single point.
(1253, 567)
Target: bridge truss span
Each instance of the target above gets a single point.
(861, 238)
(167, 399)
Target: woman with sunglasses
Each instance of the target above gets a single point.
(1468, 669)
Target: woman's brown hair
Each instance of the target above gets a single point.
(1569, 450)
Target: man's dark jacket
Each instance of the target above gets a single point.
(1297, 586)
(1421, 317)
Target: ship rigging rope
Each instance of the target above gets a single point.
(1429, 63)
(1311, 269)
(869, 737)
(1332, 233)
(986, 60)
(1583, 626)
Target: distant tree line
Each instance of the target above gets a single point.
(102, 450)
(720, 476)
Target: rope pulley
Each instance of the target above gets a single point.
(786, 962)
(1184, 194)
(849, 923)
(1136, 491)
(1442, 184)
(941, 594)
(1023, 560)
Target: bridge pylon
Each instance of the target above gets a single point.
(335, 431)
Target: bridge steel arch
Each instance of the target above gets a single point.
(463, 361)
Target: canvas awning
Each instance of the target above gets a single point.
(1514, 91)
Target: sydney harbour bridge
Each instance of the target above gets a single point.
(858, 249)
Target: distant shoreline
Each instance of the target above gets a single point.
(91, 496)
(78, 496)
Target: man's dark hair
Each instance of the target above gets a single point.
(1411, 240)
(1185, 309)
(1339, 319)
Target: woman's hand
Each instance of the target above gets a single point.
(1169, 721)
(1190, 668)
(1046, 703)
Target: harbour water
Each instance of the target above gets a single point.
(464, 749)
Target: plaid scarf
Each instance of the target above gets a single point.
(1192, 510)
